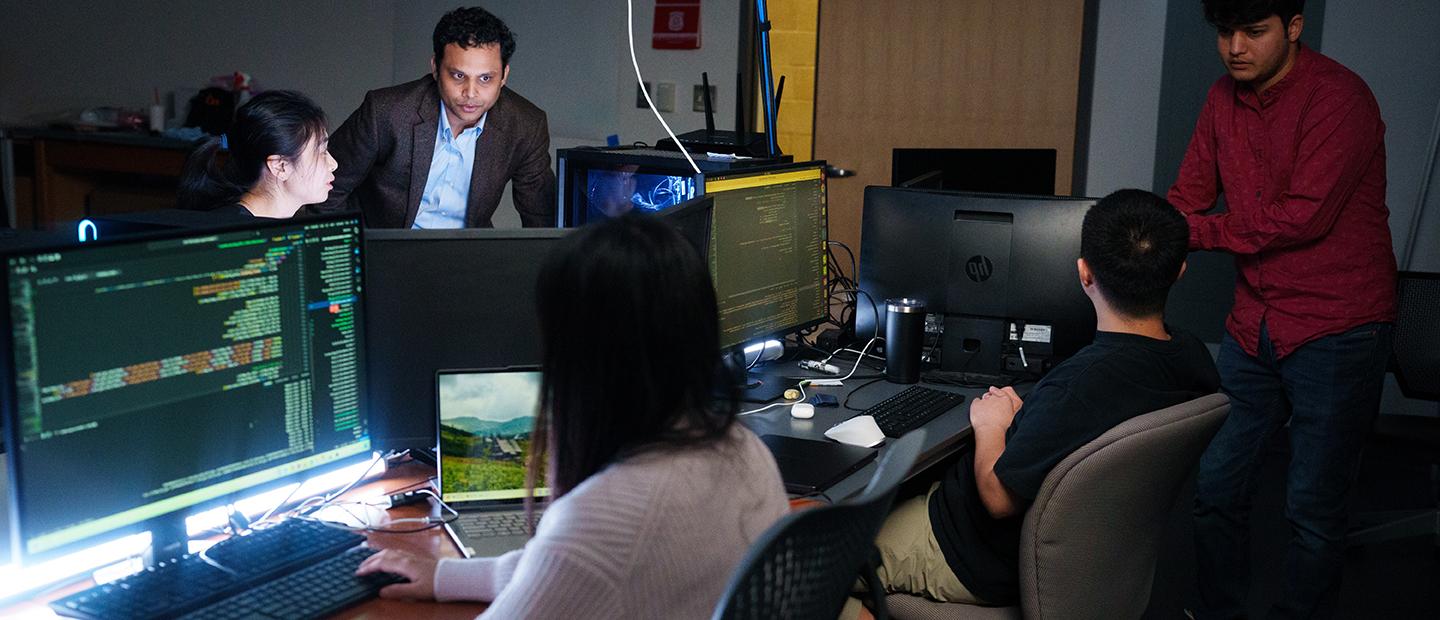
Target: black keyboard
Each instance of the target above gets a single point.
(312, 592)
(174, 587)
(911, 409)
(282, 547)
(153, 592)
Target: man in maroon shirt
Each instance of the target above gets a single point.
(1296, 143)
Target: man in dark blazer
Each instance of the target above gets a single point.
(438, 151)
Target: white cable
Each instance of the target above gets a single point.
(849, 350)
(859, 359)
(802, 384)
(325, 500)
(630, 26)
(869, 355)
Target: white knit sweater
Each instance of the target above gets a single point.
(655, 536)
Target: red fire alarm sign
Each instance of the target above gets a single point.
(677, 25)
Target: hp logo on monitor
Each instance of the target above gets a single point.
(979, 268)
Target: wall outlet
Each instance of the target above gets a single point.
(664, 96)
(640, 95)
(698, 98)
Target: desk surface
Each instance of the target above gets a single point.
(121, 137)
(945, 435)
(430, 542)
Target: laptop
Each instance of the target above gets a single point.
(486, 422)
(808, 466)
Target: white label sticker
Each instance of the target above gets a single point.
(1036, 333)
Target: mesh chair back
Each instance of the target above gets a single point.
(1417, 335)
(805, 565)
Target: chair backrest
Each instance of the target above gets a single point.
(1089, 541)
(805, 564)
(1416, 360)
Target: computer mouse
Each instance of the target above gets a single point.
(860, 430)
(802, 411)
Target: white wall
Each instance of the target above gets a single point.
(1126, 100)
(1395, 47)
(572, 59)
(67, 55)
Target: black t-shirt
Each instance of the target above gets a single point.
(1114, 379)
(233, 211)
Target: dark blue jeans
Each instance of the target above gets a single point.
(1329, 391)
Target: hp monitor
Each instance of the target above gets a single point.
(996, 272)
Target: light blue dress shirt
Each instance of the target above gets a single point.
(448, 184)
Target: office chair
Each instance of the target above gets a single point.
(805, 565)
(1089, 541)
(1416, 364)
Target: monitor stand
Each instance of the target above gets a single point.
(169, 539)
(760, 388)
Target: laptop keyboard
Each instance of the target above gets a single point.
(492, 524)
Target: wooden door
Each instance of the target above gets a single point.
(941, 74)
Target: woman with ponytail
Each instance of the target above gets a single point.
(276, 160)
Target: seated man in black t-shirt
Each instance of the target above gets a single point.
(961, 541)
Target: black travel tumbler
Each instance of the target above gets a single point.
(904, 336)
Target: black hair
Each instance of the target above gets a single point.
(473, 27)
(1232, 14)
(275, 122)
(1135, 243)
(630, 347)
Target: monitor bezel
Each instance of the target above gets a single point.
(387, 434)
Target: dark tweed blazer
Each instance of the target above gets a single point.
(384, 151)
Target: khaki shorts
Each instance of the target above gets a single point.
(911, 560)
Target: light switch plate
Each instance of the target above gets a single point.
(664, 96)
(698, 98)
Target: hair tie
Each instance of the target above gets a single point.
(224, 142)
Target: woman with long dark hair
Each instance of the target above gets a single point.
(275, 160)
(657, 492)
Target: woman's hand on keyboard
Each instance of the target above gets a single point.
(420, 570)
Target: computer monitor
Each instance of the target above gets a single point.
(601, 183)
(443, 299)
(141, 222)
(996, 272)
(694, 219)
(767, 251)
(157, 376)
(1010, 171)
